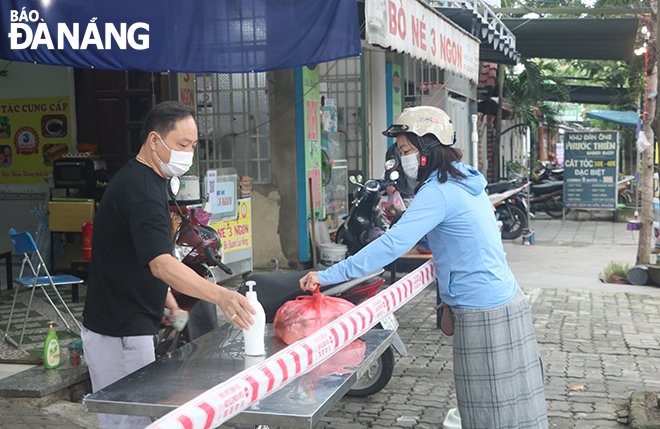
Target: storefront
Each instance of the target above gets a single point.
(94, 104)
(438, 66)
(413, 56)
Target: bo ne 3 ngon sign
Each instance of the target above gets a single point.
(591, 169)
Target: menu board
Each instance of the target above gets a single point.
(33, 133)
(590, 169)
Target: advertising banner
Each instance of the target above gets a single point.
(236, 233)
(33, 133)
(413, 27)
(590, 169)
(186, 93)
(169, 35)
(312, 105)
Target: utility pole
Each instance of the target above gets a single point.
(650, 127)
(498, 124)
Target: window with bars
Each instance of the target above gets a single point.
(422, 79)
(340, 80)
(233, 122)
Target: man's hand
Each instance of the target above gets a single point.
(177, 318)
(182, 278)
(310, 282)
(237, 308)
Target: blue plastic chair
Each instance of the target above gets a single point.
(38, 277)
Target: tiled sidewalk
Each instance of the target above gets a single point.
(35, 333)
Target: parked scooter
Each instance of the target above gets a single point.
(199, 247)
(546, 192)
(548, 197)
(366, 221)
(276, 288)
(547, 172)
(510, 209)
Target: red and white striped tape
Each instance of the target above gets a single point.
(222, 402)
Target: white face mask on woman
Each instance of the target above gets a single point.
(180, 162)
(410, 165)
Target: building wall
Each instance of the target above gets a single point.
(376, 113)
(22, 204)
(283, 158)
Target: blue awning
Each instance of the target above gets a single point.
(196, 36)
(627, 119)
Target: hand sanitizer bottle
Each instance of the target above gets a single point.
(254, 335)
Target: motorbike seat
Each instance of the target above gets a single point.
(497, 187)
(276, 288)
(547, 187)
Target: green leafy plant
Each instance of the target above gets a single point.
(516, 167)
(615, 272)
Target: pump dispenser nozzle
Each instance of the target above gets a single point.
(254, 335)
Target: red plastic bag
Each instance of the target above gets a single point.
(345, 360)
(306, 314)
(342, 362)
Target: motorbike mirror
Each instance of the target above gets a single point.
(352, 179)
(174, 186)
(359, 178)
(394, 175)
(390, 164)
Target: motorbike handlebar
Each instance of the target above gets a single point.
(211, 259)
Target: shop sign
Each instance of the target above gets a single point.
(412, 27)
(186, 84)
(33, 133)
(186, 92)
(567, 112)
(590, 169)
(312, 97)
(236, 234)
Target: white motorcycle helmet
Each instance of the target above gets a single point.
(423, 120)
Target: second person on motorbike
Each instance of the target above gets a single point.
(497, 366)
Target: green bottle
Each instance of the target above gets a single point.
(51, 348)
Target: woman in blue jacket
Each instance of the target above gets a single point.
(497, 366)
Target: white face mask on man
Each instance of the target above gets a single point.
(180, 162)
(410, 165)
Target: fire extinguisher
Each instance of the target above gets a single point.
(87, 240)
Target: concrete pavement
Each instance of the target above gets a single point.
(599, 342)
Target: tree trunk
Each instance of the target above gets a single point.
(649, 128)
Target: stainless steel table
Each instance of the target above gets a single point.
(169, 382)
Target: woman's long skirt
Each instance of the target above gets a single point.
(497, 367)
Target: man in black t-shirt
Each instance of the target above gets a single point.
(132, 264)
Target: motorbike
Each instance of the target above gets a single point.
(510, 208)
(276, 288)
(366, 221)
(548, 197)
(547, 172)
(199, 247)
(546, 192)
